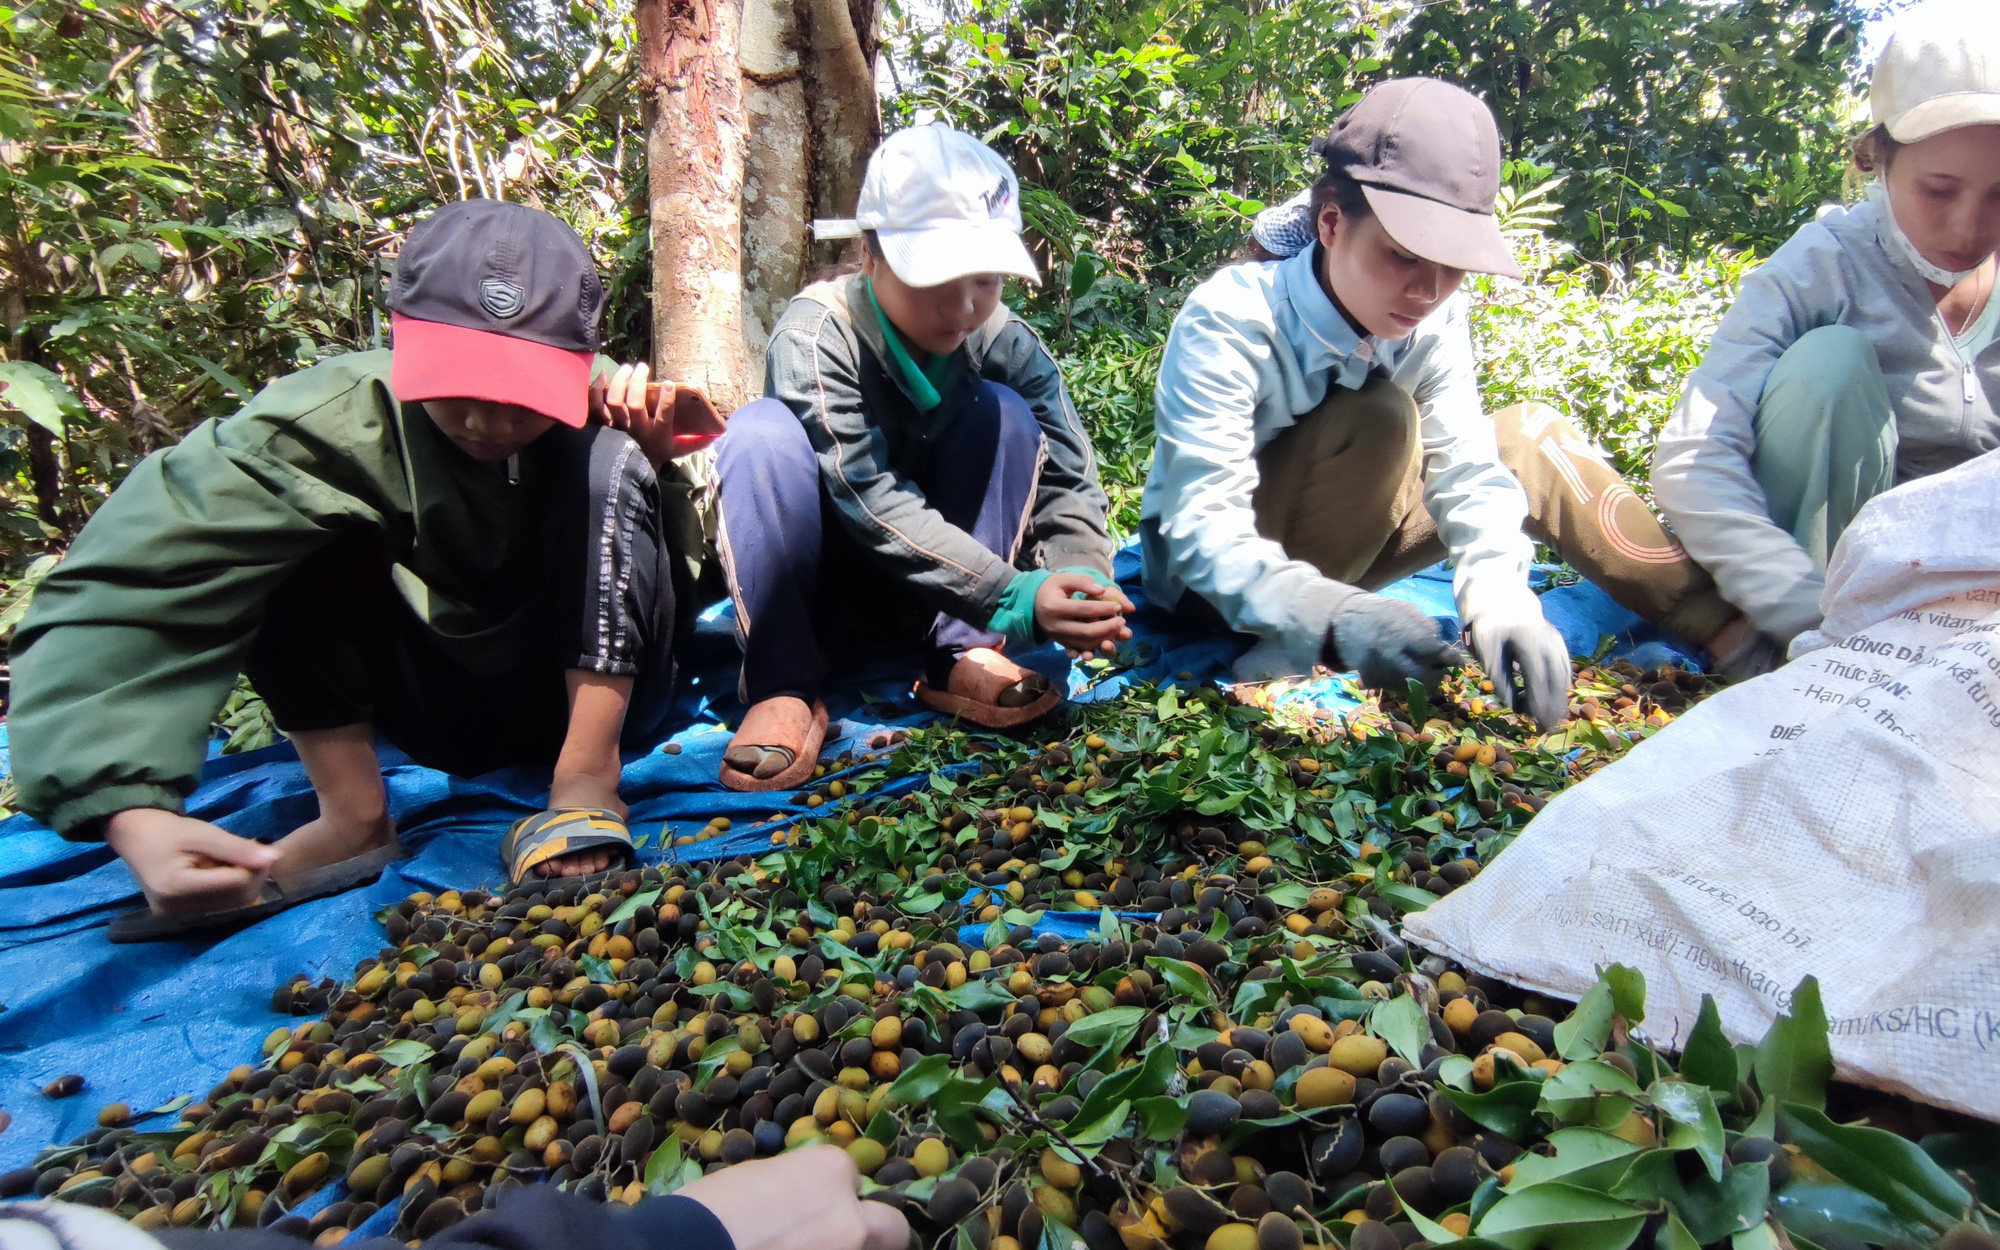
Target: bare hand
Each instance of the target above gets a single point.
(649, 414)
(188, 867)
(801, 1200)
(1087, 625)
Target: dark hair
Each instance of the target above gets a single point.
(1874, 151)
(1338, 188)
(850, 260)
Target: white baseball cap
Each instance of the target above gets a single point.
(943, 205)
(1939, 71)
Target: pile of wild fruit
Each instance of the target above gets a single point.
(1139, 987)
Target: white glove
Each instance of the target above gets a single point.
(1517, 636)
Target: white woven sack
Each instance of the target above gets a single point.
(1839, 817)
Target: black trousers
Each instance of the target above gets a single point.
(340, 646)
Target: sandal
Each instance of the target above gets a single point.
(991, 691)
(561, 831)
(143, 924)
(776, 747)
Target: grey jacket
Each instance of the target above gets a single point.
(829, 364)
(1840, 270)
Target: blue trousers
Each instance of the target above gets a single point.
(808, 592)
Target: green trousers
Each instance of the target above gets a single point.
(1826, 437)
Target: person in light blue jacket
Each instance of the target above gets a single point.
(1863, 353)
(1320, 434)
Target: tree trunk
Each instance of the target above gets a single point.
(694, 165)
(778, 168)
(846, 115)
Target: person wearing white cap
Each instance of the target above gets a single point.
(915, 447)
(1321, 435)
(1863, 353)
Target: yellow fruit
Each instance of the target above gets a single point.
(931, 1157)
(1318, 1034)
(1324, 1087)
(868, 1154)
(1232, 1237)
(1059, 1171)
(1359, 1054)
(1459, 1014)
(1522, 1045)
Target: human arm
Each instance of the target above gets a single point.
(1067, 521)
(1479, 508)
(135, 639)
(1702, 475)
(813, 366)
(1205, 474)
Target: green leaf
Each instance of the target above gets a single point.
(1561, 1217)
(1186, 980)
(598, 969)
(37, 394)
(979, 994)
(663, 1166)
(1508, 1109)
(1815, 1209)
(1696, 1124)
(1879, 1163)
(1583, 1156)
(1628, 991)
(1794, 1061)
(1419, 699)
(1718, 1209)
(232, 386)
(630, 907)
(1674, 1235)
(404, 1052)
(1161, 1118)
(1575, 1093)
(1709, 1058)
(1401, 1022)
(1583, 1034)
(922, 1082)
(1095, 1030)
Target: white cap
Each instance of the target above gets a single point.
(1939, 71)
(943, 205)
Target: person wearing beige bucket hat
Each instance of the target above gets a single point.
(1863, 353)
(1320, 432)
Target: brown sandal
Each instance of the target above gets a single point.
(979, 680)
(782, 732)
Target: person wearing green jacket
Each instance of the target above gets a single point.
(456, 544)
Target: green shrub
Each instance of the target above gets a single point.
(1610, 350)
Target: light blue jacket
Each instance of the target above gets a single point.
(1255, 347)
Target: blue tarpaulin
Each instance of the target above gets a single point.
(145, 1024)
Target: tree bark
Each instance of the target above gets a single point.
(778, 168)
(846, 115)
(693, 90)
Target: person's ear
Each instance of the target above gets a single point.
(867, 259)
(1329, 224)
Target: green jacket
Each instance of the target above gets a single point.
(136, 638)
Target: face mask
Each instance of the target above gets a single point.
(1879, 193)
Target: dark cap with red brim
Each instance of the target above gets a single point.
(1427, 156)
(497, 302)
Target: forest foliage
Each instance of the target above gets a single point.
(200, 195)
